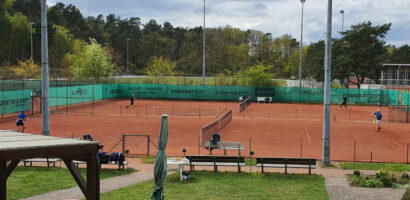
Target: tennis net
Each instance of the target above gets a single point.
(185, 111)
(215, 126)
(244, 104)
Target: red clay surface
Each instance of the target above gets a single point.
(274, 129)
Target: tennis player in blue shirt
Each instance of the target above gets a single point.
(379, 117)
(20, 121)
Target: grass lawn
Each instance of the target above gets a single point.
(229, 185)
(30, 181)
(369, 166)
(148, 159)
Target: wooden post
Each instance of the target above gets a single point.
(93, 177)
(371, 156)
(354, 152)
(301, 148)
(3, 185)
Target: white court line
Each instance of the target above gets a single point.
(307, 133)
(394, 141)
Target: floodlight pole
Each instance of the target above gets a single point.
(343, 20)
(44, 69)
(31, 41)
(203, 53)
(301, 46)
(328, 67)
(128, 39)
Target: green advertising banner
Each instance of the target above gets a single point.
(184, 91)
(14, 101)
(74, 95)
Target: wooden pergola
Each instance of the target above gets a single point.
(17, 146)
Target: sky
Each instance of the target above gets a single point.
(278, 17)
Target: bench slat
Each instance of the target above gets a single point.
(283, 166)
(42, 160)
(217, 163)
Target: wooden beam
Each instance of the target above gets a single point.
(76, 175)
(10, 167)
(48, 152)
(93, 177)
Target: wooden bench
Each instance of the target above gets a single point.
(264, 99)
(216, 161)
(225, 146)
(105, 160)
(41, 160)
(309, 163)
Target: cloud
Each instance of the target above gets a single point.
(275, 16)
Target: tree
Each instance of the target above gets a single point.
(361, 52)
(292, 67)
(27, 69)
(155, 45)
(256, 75)
(283, 48)
(90, 61)
(62, 43)
(314, 61)
(400, 55)
(238, 57)
(158, 68)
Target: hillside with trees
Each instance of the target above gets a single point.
(73, 38)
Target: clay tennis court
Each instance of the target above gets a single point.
(282, 130)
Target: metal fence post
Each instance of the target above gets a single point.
(123, 144)
(199, 145)
(250, 145)
(354, 152)
(148, 145)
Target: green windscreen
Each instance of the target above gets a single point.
(14, 101)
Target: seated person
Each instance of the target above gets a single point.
(215, 138)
